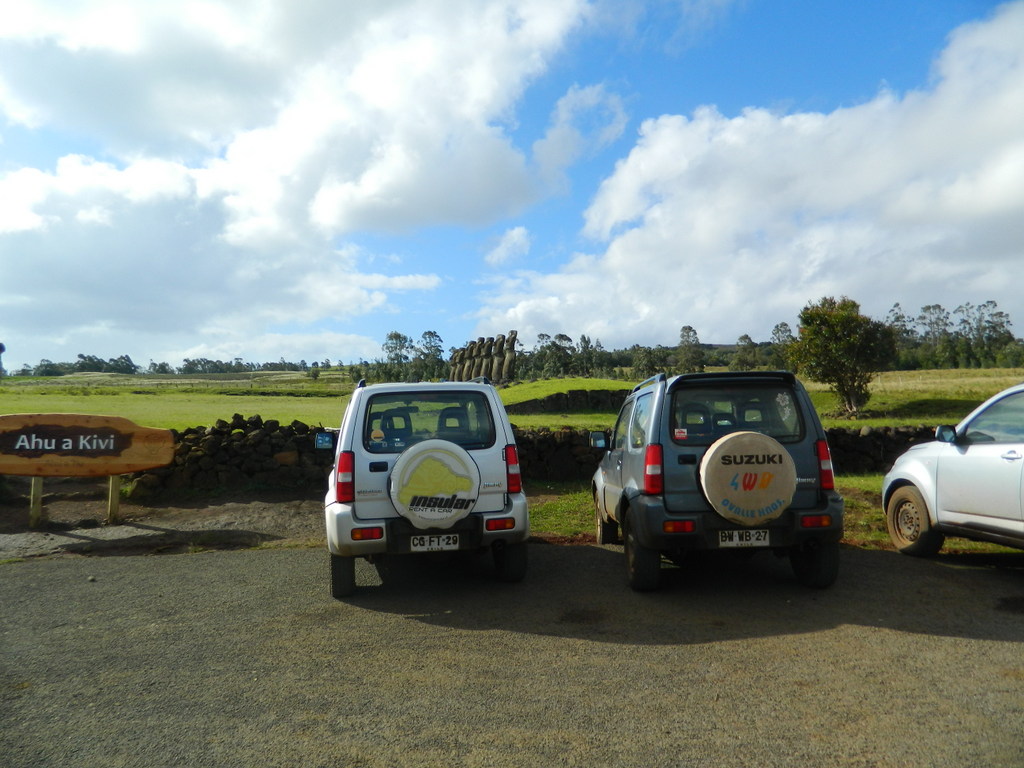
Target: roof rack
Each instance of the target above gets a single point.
(648, 382)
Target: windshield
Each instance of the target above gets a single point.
(396, 421)
(701, 415)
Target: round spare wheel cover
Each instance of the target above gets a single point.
(434, 484)
(749, 478)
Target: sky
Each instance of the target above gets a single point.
(268, 179)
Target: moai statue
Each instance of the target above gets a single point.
(455, 366)
(508, 370)
(467, 362)
(497, 359)
(481, 355)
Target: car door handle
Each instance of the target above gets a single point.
(1011, 456)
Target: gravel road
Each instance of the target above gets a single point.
(240, 658)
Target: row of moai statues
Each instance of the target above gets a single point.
(493, 357)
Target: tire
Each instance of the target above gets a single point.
(910, 527)
(816, 563)
(606, 531)
(434, 484)
(749, 494)
(643, 565)
(343, 576)
(510, 561)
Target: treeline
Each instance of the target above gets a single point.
(970, 336)
(124, 364)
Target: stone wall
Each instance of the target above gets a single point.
(240, 453)
(574, 401)
(872, 449)
(252, 453)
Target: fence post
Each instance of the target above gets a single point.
(114, 500)
(36, 516)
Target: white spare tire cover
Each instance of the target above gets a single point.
(749, 478)
(434, 484)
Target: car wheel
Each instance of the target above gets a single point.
(910, 528)
(815, 563)
(607, 531)
(643, 565)
(510, 561)
(434, 484)
(748, 495)
(343, 576)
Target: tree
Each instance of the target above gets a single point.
(839, 346)
(584, 360)
(397, 348)
(778, 347)
(982, 332)
(747, 356)
(644, 362)
(936, 340)
(428, 357)
(908, 341)
(690, 352)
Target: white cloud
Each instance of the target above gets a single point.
(733, 225)
(514, 243)
(233, 146)
(201, 171)
(585, 121)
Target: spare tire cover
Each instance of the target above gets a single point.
(749, 478)
(434, 484)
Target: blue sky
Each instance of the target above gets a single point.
(270, 178)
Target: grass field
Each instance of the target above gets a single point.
(898, 398)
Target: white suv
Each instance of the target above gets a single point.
(425, 467)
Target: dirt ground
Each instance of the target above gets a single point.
(76, 506)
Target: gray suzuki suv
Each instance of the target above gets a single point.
(719, 462)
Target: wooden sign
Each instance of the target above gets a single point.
(79, 445)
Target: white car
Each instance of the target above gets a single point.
(422, 468)
(966, 483)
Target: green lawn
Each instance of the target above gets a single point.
(898, 398)
(178, 410)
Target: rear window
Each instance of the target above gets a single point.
(701, 415)
(397, 420)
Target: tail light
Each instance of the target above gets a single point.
(368, 534)
(345, 478)
(513, 478)
(825, 474)
(654, 480)
(500, 524)
(679, 526)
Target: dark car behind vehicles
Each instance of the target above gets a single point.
(719, 462)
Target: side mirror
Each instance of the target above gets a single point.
(325, 441)
(945, 434)
(599, 440)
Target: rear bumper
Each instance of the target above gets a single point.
(648, 517)
(397, 532)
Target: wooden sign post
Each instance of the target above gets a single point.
(79, 445)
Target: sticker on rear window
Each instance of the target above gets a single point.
(681, 434)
